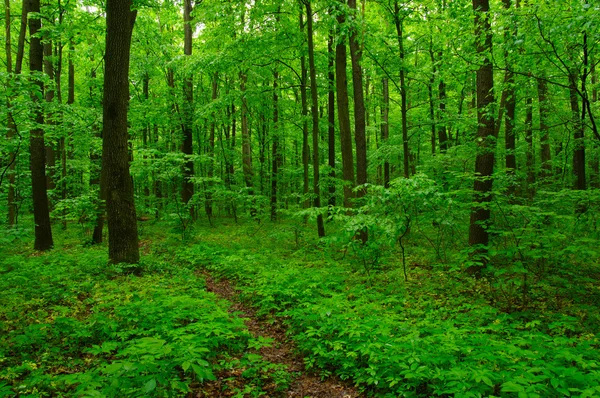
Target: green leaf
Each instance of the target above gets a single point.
(150, 385)
(509, 386)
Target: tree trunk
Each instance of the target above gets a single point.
(275, 156)
(578, 144)
(41, 213)
(385, 128)
(208, 208)
(11, 127)
(546, 160)
(49, 97)
(315, 118)
(246, 143)
(304, 103)
(486, 138)
(442, 129)
(510, 105)
(120, 205)
(331, 118)
(187, 190)
(359, 103)
(530, 155)
(341, 84)
(398, 20)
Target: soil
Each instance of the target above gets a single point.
(305, 385)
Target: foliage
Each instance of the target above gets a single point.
(73, 326)
(435, 335)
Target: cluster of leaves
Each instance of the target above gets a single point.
(436, 335)
(73, 326)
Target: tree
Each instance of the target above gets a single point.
(120, 203)
(486, 136)
(315, 117)
(187, 190)
(41, 211)
(341, 84)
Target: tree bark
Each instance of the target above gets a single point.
(359, 103)
(385, 128)
(208, 208)
(578, 137)
(315, 118)
(546, 160)
(304, 103)
(341, 84)
(187, 189)
(398, 21)
(331, 119)
(275, 155)
(486, 138)
(41, 212)
(120, 205)
(11, 127)
(49, 97)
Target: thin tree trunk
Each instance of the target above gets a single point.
(442, 129)
(578, 144)
(304, 101)
(430, 84)
(530, 155)
(315, 118)
(187, 148)
(50, 118)
(120, 204)
(385, 128)
(246, 143)
(331, 118)
(546, 160)
(208, 208)
(398, 21)
(486, 138)
(11, 127)
(359, 104)
(275, 155)
(341, 84)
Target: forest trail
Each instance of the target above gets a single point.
(306, 384)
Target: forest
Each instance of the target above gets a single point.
(300, 198)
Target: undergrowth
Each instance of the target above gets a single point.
(439, 334)
(71, 325)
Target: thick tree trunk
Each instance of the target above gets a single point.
(341, 84)
(385, 128)
(120, 205)
(315, 118)
(41, 213)
(187, 190)
(331, 118)
(486, 137)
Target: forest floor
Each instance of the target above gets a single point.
(265, 309)
(282, 351)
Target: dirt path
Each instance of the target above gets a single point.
(281, 352)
